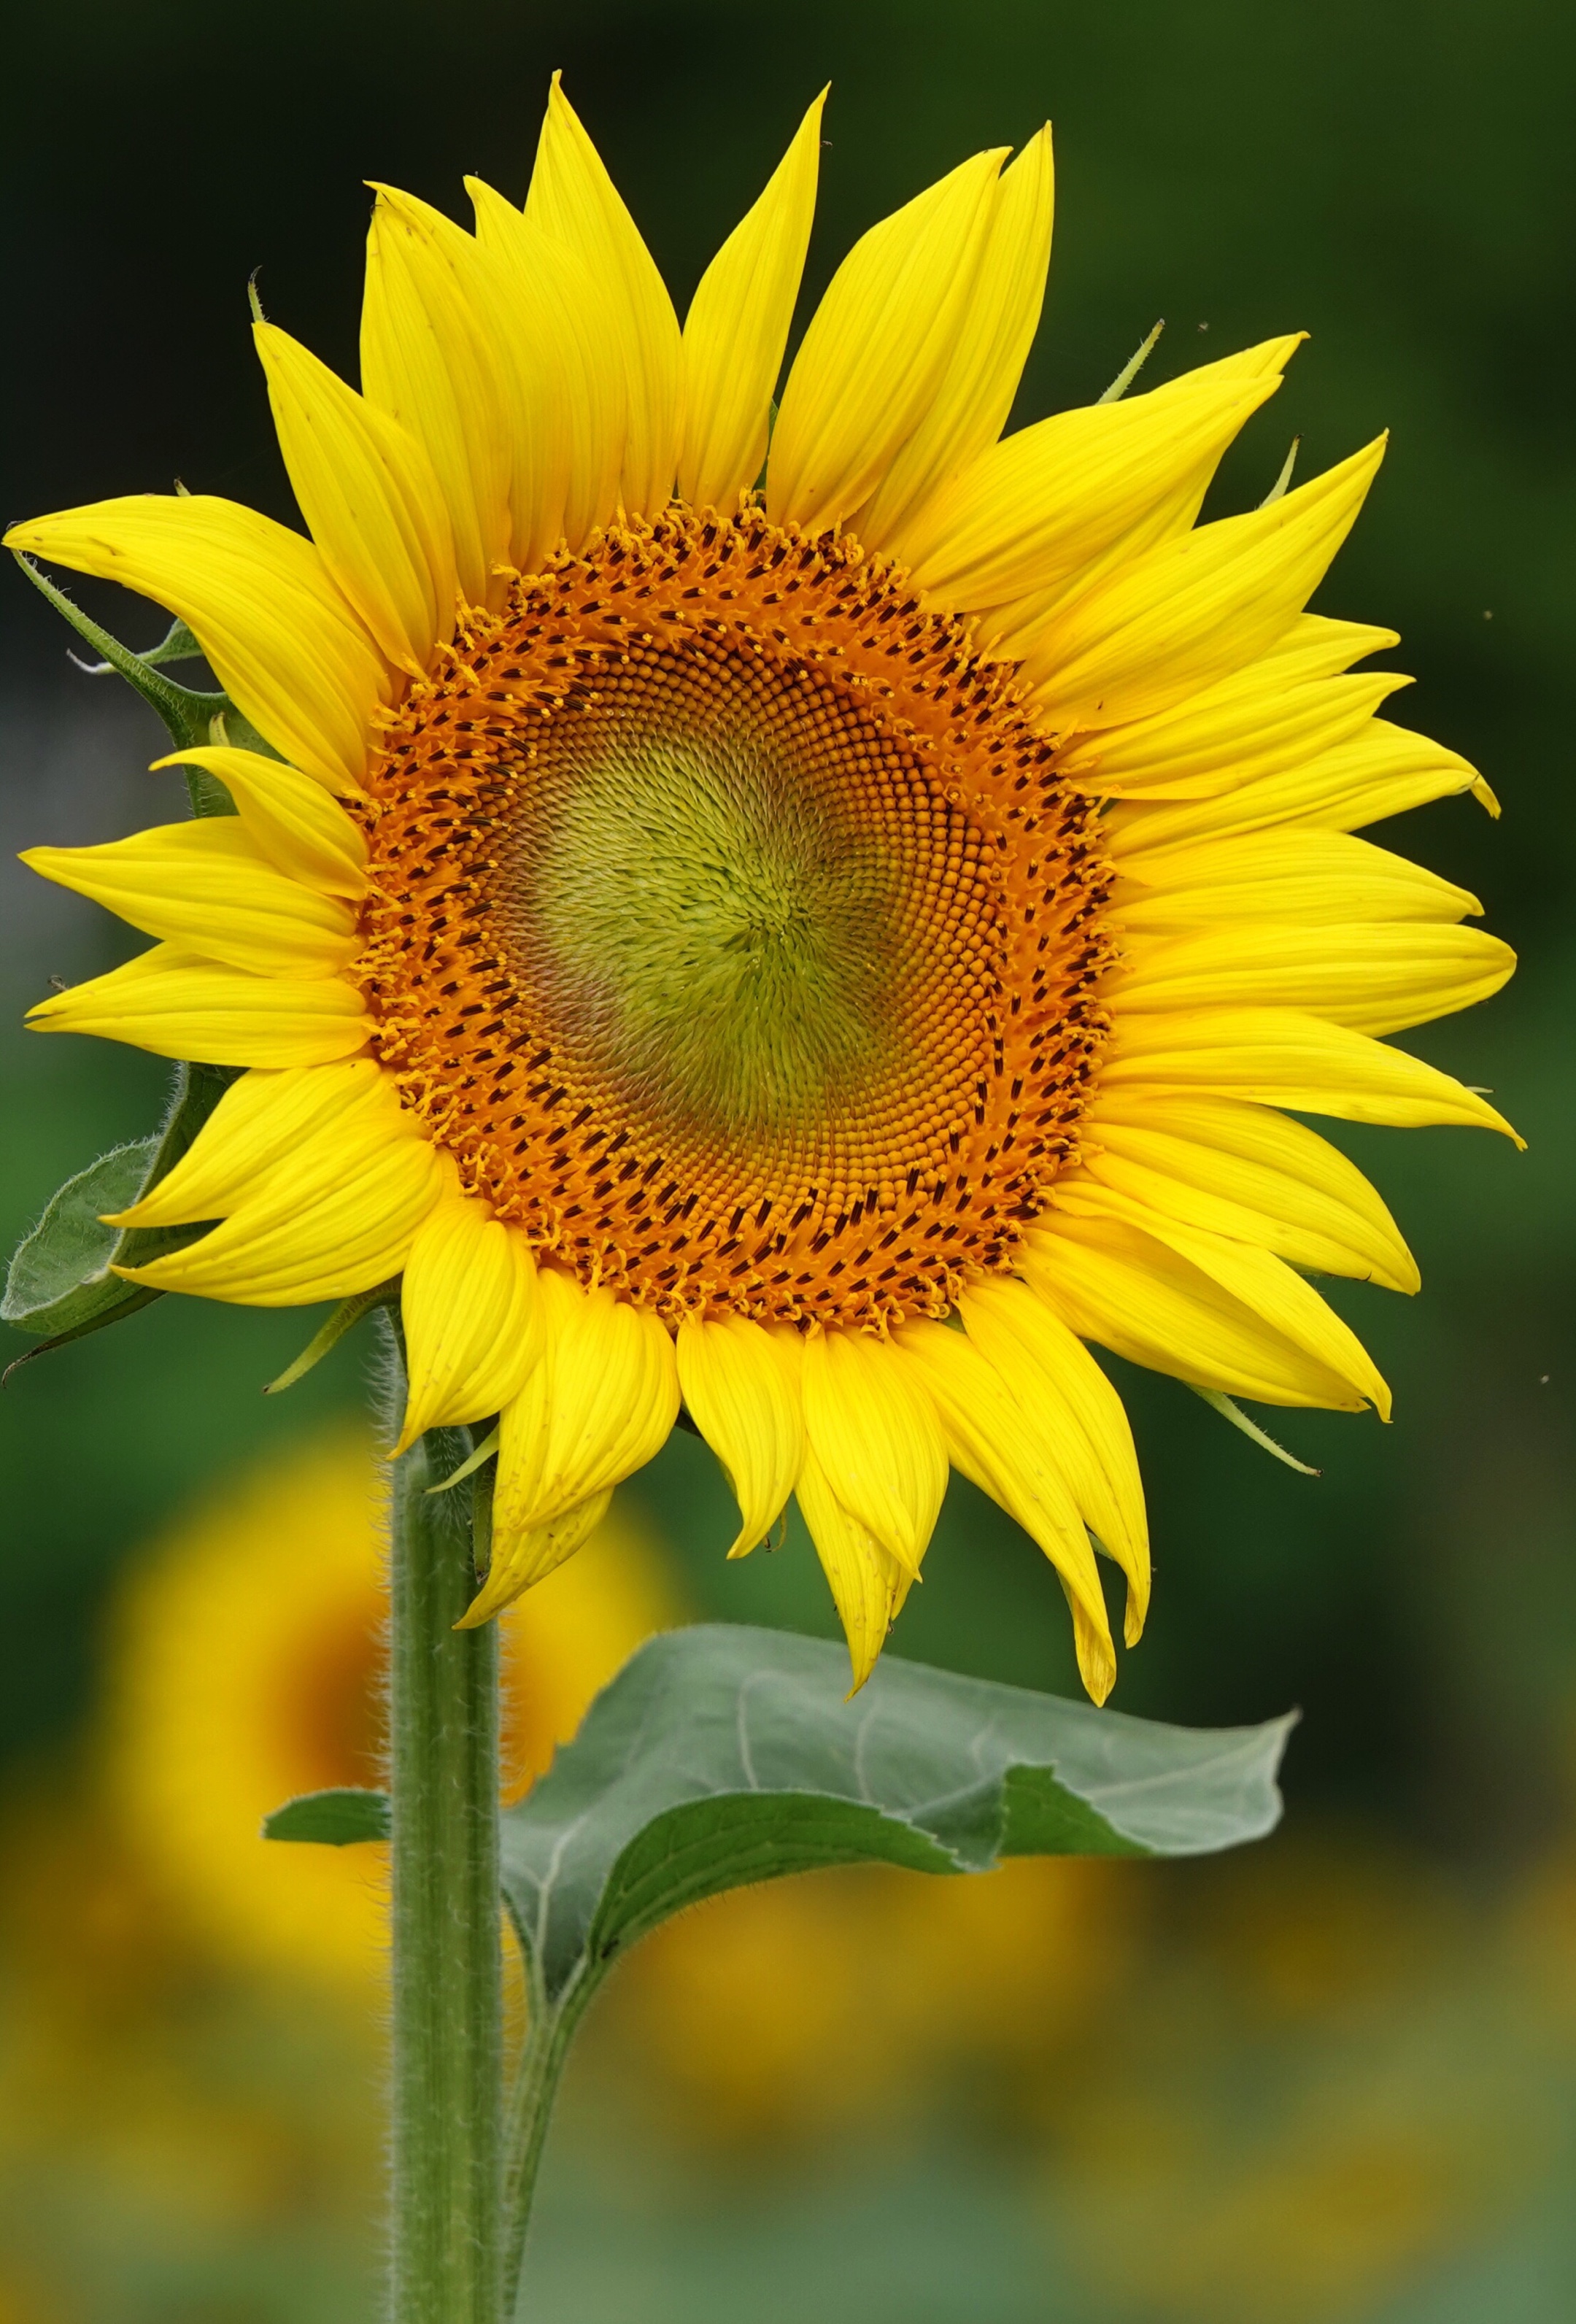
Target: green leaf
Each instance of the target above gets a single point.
(59, 1284)
(332, 1819)
(60, 1276)
(719, 1756)
(723, 1755)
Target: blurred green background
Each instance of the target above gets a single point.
(1333, 2081)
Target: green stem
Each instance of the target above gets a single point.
(551, 2031)
(447, 2145)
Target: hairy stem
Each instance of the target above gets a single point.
(448, 2132)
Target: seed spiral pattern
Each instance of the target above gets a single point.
(732, 928)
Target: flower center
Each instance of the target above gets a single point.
(734, 931)
(743, 914)
(711, 934)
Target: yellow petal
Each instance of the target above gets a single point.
(573, 198)
(871, 362)
(427, 362)
(1317, 647)
(741, 1385)
(1243, 1171)
(1145, 1300)
(1298, 878)
(1091, 1643)
(877, 1440)
(523, 1559)
(555, 327)
(1248, 362)
(339, 1132)
(599, 1405)
(260, 1120)
(536, 354)
(359, 1168)
(1276, 1056)
(469, 1304)
(1377, 980)
(866, 1583)
(203, 884)
(179, 1004)
(1265, 1285)
(999, 1440)
(1195, 609)
(1177, 512)
(371, 499)
(1051, 1374)
(283, 642)
(1383, 770)
(1037, 506)
(292, 821)
(737, 329)
(991, 336)
(1016, 628)
(1261, 721)
(339, 1235)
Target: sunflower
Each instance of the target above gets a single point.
(246, 1664)
(808, 917)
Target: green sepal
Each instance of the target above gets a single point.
(194, 718)
(772, 409)
(1230, 1410)
(177, 644)
(187, 714)
(482, 1490)
(485, 1447)
(1131, 368)
(329, 1334)
(1277, 491)
(58, 1284)
(335, 1819)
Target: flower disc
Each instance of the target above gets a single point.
(736, 933)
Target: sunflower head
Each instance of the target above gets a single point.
(815, 920)
(705, 876)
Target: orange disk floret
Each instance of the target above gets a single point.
(732, 928)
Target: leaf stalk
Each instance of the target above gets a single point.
(550, 2030)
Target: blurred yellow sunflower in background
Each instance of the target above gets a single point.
(246, 1667)
(734, 899)
(1286, 2089)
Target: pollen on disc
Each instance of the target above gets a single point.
(733, 930)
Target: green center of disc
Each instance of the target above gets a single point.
(715, 937)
